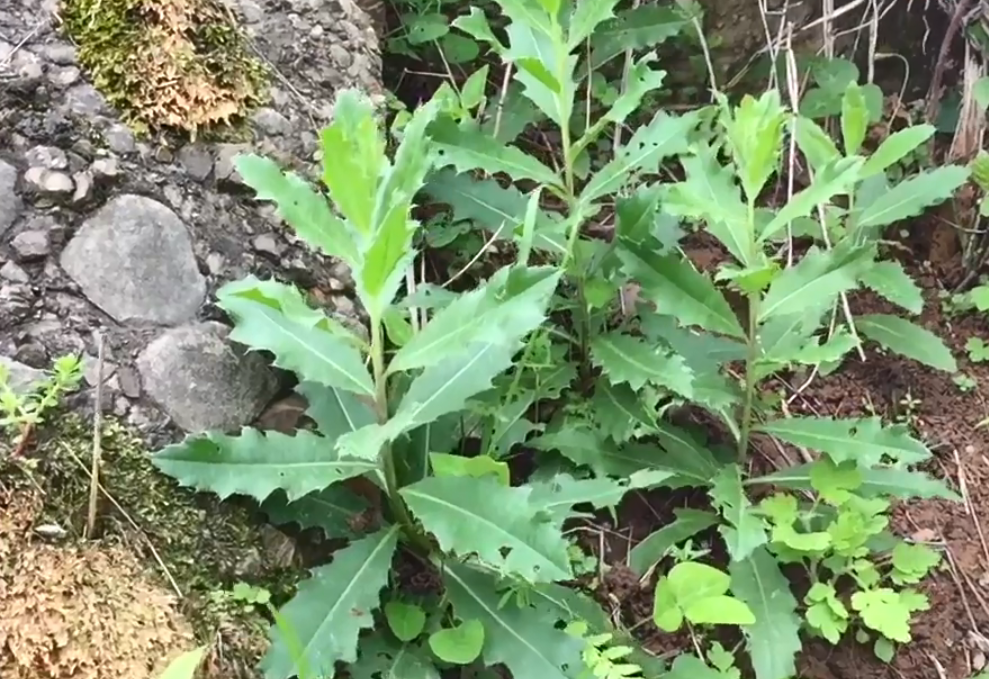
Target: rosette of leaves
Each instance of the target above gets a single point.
(388, 414)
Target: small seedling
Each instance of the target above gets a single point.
(24, 410)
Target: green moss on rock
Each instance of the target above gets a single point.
(167, 64)
(195, 543)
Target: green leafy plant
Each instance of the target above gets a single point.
(698, 594)
(424, 26)
(579, 349)
(391, 415)
(185, 665)
(833, 537)
(603, 659)
(23, 410)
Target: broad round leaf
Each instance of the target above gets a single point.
(405, 620)
(719, 610)
(666, 613)
(458, 645)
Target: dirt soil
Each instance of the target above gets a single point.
(950, 639)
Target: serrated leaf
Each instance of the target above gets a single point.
(258, 464)
(711, 193)
(481, 516)
(330, 609)
(586, 17)
(586, 447)
(888, 279)
(335, 411)
(854, 118)
(621, 412)
(861, 440)
(774, 639)
(559, 494)
(907, 339)
(642, 79)
(635, 29)
(525, 640)
(835, 178)
(686, 454)
(354, 149)
(664, 136)
(330, 510)
(440, 389)
(544, 71)
(816, 145)
(626, 359)
(754, 130)
(291, 302)
(511, 305)
(468, 148)
(903, 484)
(745, 531)
(812, 284)
(688, 522)
(896, 147)
(305, 210)
(679, 290)
(493, 207)
(911, 197)
(310, 352)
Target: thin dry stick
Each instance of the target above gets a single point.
(94, 475)
(969, 507)
(934, 93)
(793, 89)
(626, 70)
(484, 248)
(127, 517)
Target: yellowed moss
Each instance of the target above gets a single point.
(107, 608)
(167, 64)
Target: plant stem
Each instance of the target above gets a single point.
(751, 379)
(386, 456)
(752, 354)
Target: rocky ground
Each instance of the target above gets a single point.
(107, 234)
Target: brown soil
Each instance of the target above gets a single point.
(949, 641)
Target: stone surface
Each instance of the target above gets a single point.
(104, 232)
(203, 381)
(134, 259)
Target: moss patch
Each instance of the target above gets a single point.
(167, 64)
(163, 539)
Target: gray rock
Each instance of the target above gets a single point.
(196, 160)
(203, 381)
(270, 121)
(120, 139)
(225, 156)
(13, 273)
(267, 243)
(134, 260)
(30, 246)
(50, 157)
(20, 377)
(10, 202)
(49, 182)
